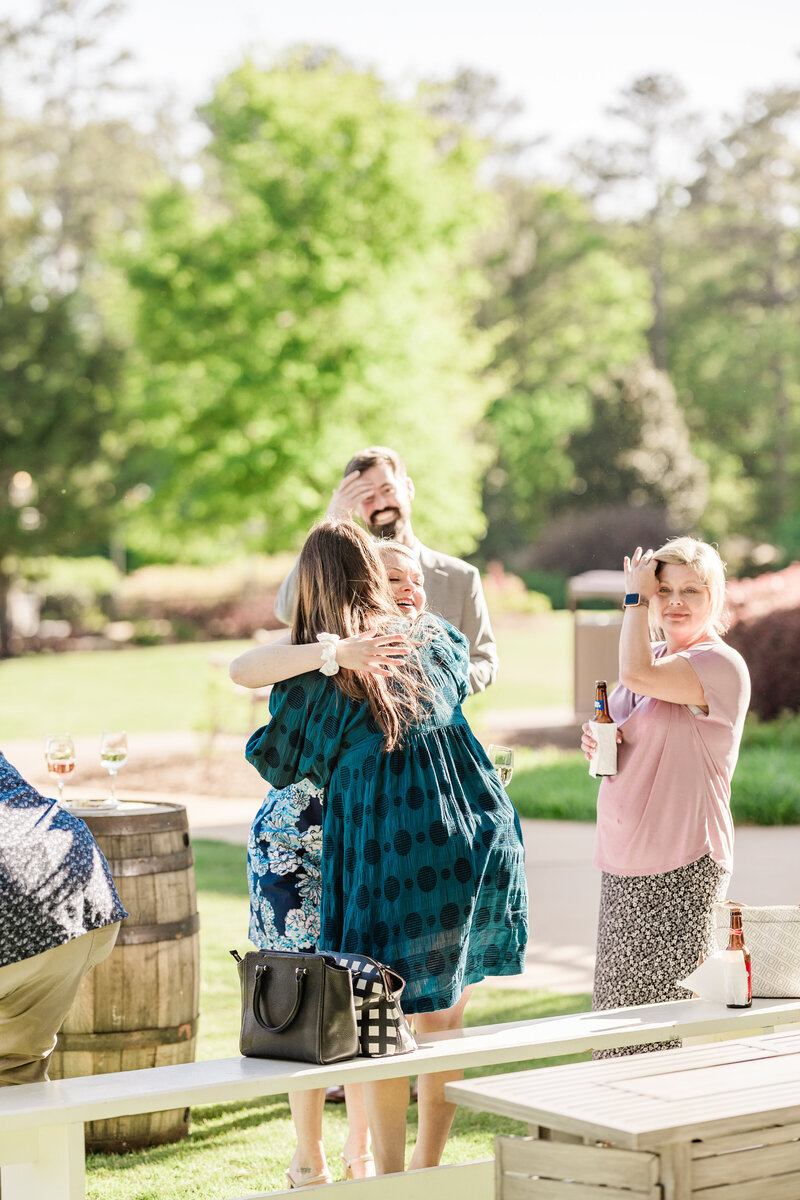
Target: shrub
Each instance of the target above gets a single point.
(552, 584)
(765, 629)
(770, 645)
(507, 594)
(598, 539)
(767, 593)
(77, 590)
(230, 600)
(778, 736)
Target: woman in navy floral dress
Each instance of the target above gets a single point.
(284, 850)
(284, 857)
(422, 855)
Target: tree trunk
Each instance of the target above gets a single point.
(5, 623)
(780, 477)
(658, 330)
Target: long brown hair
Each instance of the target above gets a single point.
(343, 588)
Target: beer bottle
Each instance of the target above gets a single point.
(736, 942)
(601, 714)
(604, 731)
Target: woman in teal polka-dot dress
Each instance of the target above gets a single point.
(423, 866)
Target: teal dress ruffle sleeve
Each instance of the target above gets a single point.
(303, 737)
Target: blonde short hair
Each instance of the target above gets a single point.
(709, 568)
(386, 545)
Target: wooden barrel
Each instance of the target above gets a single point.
(139, 1007)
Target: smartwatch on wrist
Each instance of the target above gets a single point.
(633, 600)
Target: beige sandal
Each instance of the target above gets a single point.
(323, 1177)
(349, 1163)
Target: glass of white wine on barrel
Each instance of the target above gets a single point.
(502, 759)
(59, 754)
(113, 755)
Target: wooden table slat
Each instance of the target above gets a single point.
(746, 1164)
(743, 1141)
(637, 1171)
(652, 1099)
(781, 1187)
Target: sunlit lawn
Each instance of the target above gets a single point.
(233, 1149)
(156, 688)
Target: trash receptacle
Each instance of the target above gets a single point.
(596, 636)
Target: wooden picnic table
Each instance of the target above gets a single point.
(719, 1121)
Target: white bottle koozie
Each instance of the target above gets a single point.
(734, 978)
(604, 759)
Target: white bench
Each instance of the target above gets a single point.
(41, 1124)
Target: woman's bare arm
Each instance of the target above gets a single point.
(375, 653)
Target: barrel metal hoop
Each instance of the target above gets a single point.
(166, 931)
(127, 1039)
(181, 860)
(157, 822)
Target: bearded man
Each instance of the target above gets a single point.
(377, 490)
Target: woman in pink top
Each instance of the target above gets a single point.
(664, 829)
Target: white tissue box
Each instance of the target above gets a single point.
(722, 978)
(604, 759)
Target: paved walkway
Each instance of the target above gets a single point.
(564, 886)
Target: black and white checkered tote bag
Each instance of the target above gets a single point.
(382, 1026)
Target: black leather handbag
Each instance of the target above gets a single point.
(296, 1006)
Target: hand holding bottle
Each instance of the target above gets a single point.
(600, 735)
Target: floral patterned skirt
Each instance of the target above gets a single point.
(284, 854)
(651, 933)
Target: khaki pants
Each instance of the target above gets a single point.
(35, 996)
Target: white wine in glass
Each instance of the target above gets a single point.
(59, 754)
(113, 756)
(502, 759)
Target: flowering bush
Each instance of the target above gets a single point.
(765, 629)
(751, 598)
(230, 600)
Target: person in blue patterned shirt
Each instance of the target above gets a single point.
(59, 917)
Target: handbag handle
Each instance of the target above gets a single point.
(300, 974)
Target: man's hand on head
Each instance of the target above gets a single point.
(351, 493)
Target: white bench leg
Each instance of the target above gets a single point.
(55, 1168)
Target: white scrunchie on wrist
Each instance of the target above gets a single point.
(328, 642)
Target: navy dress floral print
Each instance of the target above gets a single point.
(422, 865)
(284, 861)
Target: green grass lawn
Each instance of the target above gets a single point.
(535, 665)
(237, 1148)
(187, 687)
(143, 690)
(154, 688)
(552, 784)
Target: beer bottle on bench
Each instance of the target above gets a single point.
(736, 942)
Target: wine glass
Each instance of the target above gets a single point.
(502, 759)
(59, 754)
(113, 755)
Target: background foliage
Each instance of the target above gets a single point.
(194, 343)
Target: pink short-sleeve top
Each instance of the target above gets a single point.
(669, 803)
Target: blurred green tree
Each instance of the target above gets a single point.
(636, 448)
(316, 295)
(734, 314)
(569, 312)
(639, 182)
(67, 182)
